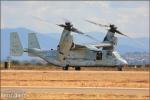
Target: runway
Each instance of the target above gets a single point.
(76, 90)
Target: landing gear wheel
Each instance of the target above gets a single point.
(119, 68)
(77, 68)
(65, 67)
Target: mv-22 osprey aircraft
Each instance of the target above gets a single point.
(71, 54)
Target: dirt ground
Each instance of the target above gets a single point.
(71, 78)
(76, 78)
(85, 96)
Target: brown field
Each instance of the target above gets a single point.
(48, 96)
(76, 79)
(85, 96)
(52, 78)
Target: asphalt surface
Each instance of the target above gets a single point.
(76, 90)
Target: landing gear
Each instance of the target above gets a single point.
(65, 67)
(119, 68)
(77, 68)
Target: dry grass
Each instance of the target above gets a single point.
(69, 96)
(76, 79)
(139, 79)
(84, 96)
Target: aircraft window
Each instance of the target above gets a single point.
(99, 56)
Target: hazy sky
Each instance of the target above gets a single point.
(131, 17)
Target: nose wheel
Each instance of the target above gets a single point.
(65, 67)
(119, 68)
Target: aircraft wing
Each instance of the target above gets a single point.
(93, 47)
(81, 46)
(102, 45)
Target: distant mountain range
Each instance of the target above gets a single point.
(51, 40)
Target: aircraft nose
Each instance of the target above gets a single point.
(125, 62)
(122, 62)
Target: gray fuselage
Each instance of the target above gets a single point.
(81, 57)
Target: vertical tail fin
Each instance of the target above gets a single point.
(16, 48)
(33, 41)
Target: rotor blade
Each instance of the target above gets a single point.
(61, 25)
(92, 38)
(97, 23)
(142, 45)
(120, 33)
(43, 20)
(76, 30)
(79, 32)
